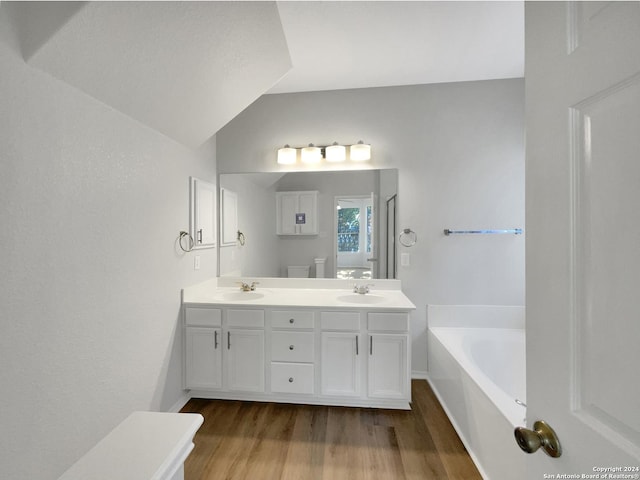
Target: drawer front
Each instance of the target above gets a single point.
(349, 321)
(299, 319)
(237, 318)
(203, 317)
(388, 322)
(292, 378)
(292, 346)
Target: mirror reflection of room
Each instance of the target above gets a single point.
(356, 248)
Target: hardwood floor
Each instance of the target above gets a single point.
(270, 441)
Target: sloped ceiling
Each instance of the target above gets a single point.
(182, 68)
(339, 45)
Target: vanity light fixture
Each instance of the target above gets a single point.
(336, 153)
(361, 152)
(311, 154)
(287, 155)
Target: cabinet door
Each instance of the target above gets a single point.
(228, 217)
(203, 358)
(286, 209)
(203, 213)
(341, 364)
(388, 366)
(245, 360)
(307, 204)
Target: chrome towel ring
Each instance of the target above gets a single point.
(408, 237)
(191, 243)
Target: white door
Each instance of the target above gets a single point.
(286, 208)
(583, 233)
(203, 358)
(245, 360)
(388, 366)
(307, 204)
(228, 217)
(341, 364)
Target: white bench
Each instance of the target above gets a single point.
(145, 446)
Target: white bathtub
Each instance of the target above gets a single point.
(476, 360)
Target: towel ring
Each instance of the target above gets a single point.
(241, 238)
(408, 237)
(188, 235)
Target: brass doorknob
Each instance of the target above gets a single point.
(542, 435)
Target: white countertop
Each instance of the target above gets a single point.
(145, 446)
(316, 293)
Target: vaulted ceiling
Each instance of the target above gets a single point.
(337, 45)
(188, 68)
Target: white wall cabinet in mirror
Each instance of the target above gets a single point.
(202, 208)
(229, 217)
(297, 213)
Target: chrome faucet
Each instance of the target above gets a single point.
(245, 287)
(362, 289)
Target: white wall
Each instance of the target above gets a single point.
(91, 204)
(459, 148)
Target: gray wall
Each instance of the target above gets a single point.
(459, 149)
(91, 204)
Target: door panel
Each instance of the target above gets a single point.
(340, 364)
(583, 235)
(607, 260)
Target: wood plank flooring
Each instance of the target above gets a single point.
(270, 441)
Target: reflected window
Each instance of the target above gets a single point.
(349, 230)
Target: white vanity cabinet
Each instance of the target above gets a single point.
(351, 357)
(297, 213)
(231, 337)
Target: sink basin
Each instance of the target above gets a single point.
(366, 299)
(241, 296)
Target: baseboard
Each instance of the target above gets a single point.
(419, 375)
(182, 401)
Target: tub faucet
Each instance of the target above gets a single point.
(362, 289)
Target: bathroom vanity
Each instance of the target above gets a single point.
(312, 341)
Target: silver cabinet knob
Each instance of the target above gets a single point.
(291, 347)
(291, 320)
(290, 379)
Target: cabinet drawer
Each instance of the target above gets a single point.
(292, 319)
(245, 318)
(340, 321)
(292, 377)
(388, 322)
(292, 346)
(203, 317)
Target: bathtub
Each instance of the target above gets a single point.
(476, 368)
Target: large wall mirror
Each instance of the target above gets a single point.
(355, 231)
